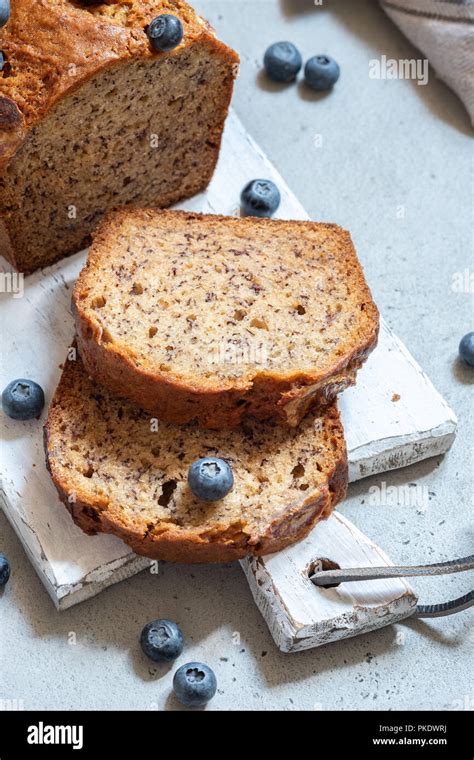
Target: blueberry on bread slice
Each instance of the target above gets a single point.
(165, 32)
(102, 104)
(115, 474)
(4, 12)
(210, 478)
(213, 319)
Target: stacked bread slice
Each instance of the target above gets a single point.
(212, 318)
(209, 336)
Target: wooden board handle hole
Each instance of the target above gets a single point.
(318, 565)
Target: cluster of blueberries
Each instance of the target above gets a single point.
(194, 684)
(283, 62)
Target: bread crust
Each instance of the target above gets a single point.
(53, 47)
(286, 396)
(216, 544)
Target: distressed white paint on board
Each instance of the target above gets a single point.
(301, 615)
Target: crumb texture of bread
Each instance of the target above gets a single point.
(213, 319)
(117, 474)
(92, 118)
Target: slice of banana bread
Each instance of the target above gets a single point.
(116, 475)
(92, 116)
(213, 318)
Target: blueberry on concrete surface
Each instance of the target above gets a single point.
(260, 197)
(321, 72)
(210, 478)
(194, 684)
(282, 61)
(165, 32)
(23, 399)
(466, 349)
(4, 570)
(162, 640)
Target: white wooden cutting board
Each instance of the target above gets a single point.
(301, 615)
(382, 434)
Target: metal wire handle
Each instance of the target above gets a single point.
(326, 578)
(445, 608)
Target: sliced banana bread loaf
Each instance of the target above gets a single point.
(92, 116)
(117, 476)
(213, 319)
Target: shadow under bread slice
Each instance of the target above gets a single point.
(212, 319)
(116, 475)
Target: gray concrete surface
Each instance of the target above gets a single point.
(385, 145)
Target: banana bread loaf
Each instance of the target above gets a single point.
(91, 116)
(116, 475)
(212, 319)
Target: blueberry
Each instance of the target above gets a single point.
(260, 197)
(23, 399)
(466, 349)
(210, 479)
(2, 61)
(321, 72)
(194, 684)
(4, 12)
(165, 32)
(4, 570)
(282, 61)
(162, 640)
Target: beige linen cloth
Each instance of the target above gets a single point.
(443, 30)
